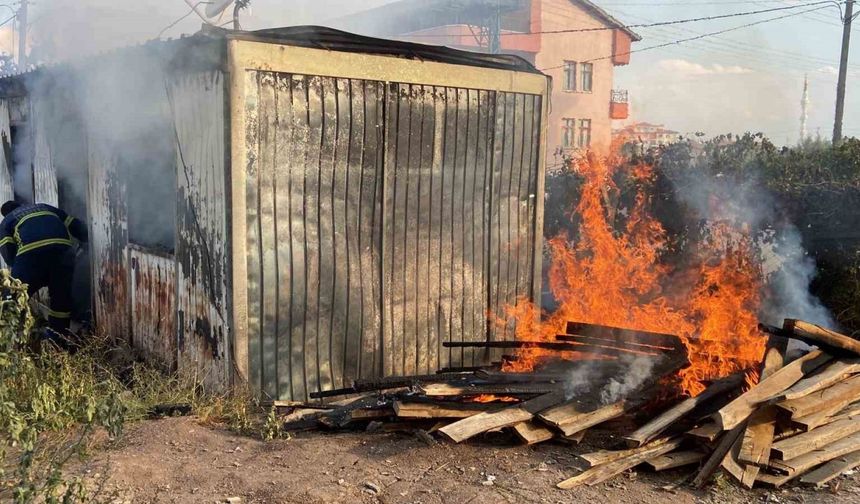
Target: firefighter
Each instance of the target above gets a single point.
(36, 241)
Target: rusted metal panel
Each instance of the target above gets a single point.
(153, 305)
(202, 300)
(44, 174)
(108, 240)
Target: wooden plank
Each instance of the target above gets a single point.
(730, 462)
(834, 372)
(407, 409)
(663, 421)
(625, 335)
(532, 432)
(601, 473)
(570, 419)
(725, 445)
(284, 165)
(817, 419)
(447, 389)
(799, 465)
(600, 457)
(574, 439)
(552, 345)
(707, 432)
(741, 408)
(674, 460)
(821, 476)
(313, 357)
(815, 334)
(299, 148)
(506, 417)
(796, 446)
(752, 450)
(838, 395)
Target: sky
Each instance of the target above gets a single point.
(749, 79)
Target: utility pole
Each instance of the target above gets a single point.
(843, 73)
(804, 109)
(22, 42)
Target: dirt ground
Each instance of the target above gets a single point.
(176, 460)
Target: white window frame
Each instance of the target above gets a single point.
(568, 133)
(569, 82)
(583, 141)
(590, 74)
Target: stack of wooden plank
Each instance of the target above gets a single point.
(799, 421)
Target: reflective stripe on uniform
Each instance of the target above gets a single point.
(6, 241)
(69, 220)
(40, 213)
(59, 314)
(44, 243)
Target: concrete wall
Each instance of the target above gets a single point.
(583, 46)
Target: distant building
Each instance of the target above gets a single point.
(581, 63)
(647, 135)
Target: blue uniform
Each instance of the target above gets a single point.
(37, 242)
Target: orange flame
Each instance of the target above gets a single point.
(488, 398)
(617, 278)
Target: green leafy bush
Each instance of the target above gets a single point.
(50, 405)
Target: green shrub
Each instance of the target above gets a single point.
(50, 404)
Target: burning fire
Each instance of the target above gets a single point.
(618, 279)
(488, 398)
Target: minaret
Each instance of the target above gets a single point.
(804, 108)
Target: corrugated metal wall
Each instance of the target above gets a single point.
(197, 103)
(383, 219)
(108, 217)
(153, 306)
(44, 174)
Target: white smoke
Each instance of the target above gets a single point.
(631, 371)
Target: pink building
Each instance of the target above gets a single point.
(574, 41)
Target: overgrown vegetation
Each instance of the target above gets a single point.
(54, 407)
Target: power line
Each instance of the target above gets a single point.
(723, 44)
(735, 47)
(190, 12)
(697, 37)
(685, 4)
(649, 25)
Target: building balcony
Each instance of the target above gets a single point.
(619, 104)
